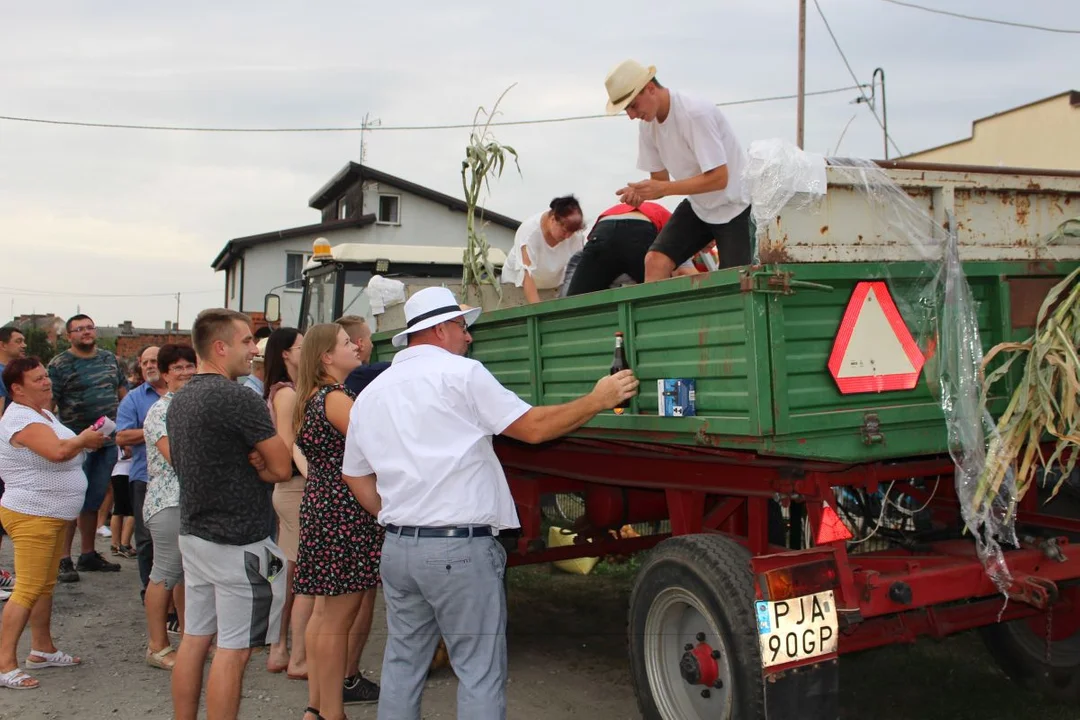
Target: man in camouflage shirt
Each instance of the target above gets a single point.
(87, 383)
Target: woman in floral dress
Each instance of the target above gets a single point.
(340, 542)
(161, 510)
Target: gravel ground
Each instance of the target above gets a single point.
(100, 619)
(568, 660)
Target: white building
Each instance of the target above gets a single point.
(358, 205)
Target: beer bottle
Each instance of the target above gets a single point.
(619, 364)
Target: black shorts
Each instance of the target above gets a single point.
(121, 492)
(2, 495)
(685, 234)
(615, 247)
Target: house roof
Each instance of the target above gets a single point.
(231, 250)
(354, 172)
(1074, 101)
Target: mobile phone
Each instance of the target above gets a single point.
(274, 564)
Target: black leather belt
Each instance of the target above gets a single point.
(440, 532)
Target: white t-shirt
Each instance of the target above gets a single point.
(547, 264)
(32, 484)
(424, 427)
(696, 138)
(123, 464)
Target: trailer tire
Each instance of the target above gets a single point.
(1021, 653)
(689, 585)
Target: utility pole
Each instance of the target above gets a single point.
(800, 111)
(176, 327)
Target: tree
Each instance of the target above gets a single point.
(38, 345)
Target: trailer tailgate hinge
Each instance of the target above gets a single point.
(775, 282)
(871, 429)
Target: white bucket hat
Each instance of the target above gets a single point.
(428, 308)
(625, 82)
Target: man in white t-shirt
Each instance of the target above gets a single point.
(688, 148)
(419, 456)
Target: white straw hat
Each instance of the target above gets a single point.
(625, 82)
(428, 308)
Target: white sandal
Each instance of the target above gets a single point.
(56, 659)
(14, 679)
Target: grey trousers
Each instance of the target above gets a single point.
(144, 544)
(453, 588)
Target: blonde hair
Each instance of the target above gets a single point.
(353, 324)
(311, 374)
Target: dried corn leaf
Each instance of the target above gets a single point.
(1043, 403)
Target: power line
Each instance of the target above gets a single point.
(49, 293)
(976, 18)
(384, 128)
(852, 73)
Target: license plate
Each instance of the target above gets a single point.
(798, 629)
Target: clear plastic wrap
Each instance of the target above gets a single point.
(937, 304)
(940, 310)
(779, 175)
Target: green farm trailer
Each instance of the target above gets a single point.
(805, 505)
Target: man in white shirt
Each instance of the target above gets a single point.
(688, 148)
(419, 456)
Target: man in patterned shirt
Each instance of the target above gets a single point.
(88, 382)
(227, 455)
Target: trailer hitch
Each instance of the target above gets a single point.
(1037, 592)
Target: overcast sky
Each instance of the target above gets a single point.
(98, 211)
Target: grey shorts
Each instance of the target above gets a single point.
(235, 591)
(164, 527)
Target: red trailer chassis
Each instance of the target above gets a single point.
(882, 597)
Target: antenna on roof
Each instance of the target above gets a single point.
(368, 122)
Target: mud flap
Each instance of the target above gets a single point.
(811, 692)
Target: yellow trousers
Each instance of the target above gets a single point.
(39, 545)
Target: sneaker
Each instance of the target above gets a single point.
(67, 573)
(172, 625)
(104, 531)
(7, 580)
(4, 595)
(95, 562)
(358, 690)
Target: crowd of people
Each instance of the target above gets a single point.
(268, 486)
(258, 519)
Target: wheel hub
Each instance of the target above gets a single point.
(687, 663)
(698, 665)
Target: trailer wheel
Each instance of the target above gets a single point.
(693, 636)
(1020, 650)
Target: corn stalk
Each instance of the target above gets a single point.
(484, 158)
(1044, 403)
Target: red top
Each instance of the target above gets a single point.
(654, 211)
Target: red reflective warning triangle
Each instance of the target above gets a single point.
(874, 350)
(831, 528)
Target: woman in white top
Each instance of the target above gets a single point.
(41, 463)
(543, 245)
